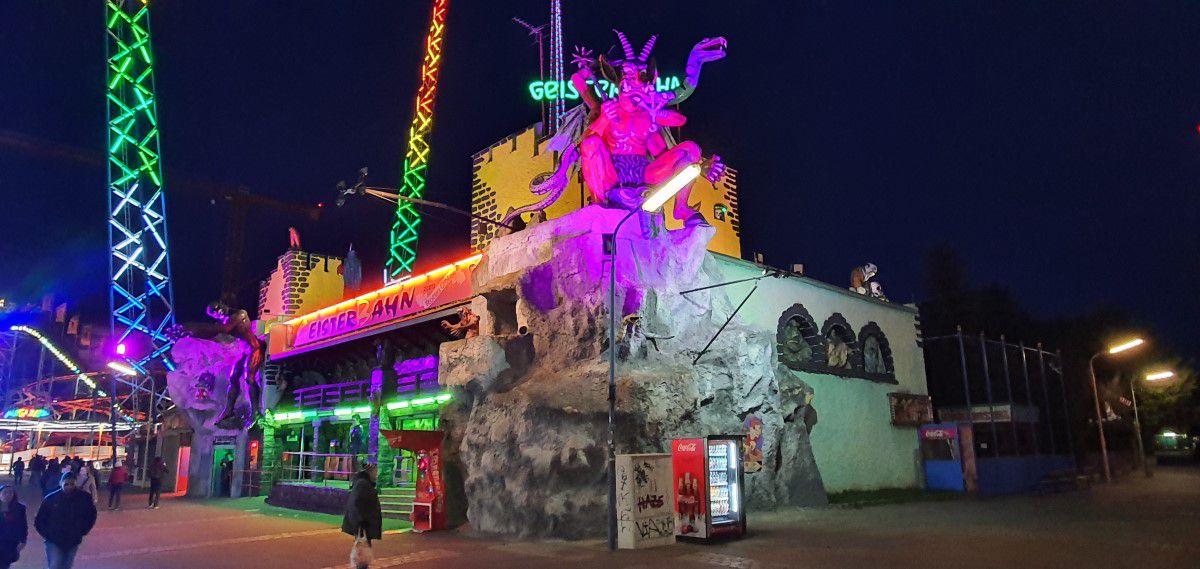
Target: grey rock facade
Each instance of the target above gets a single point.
(527, 433)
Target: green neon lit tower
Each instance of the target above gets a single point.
(402, 251)
(140, 293)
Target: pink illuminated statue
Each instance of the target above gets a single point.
(622, 143)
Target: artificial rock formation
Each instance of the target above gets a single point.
(527, 432)
(199, 386)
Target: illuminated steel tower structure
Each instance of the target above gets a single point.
(402, 252)
(140, 293)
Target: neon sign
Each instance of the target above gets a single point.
(552, 90)
(393, 302)
(27, 413)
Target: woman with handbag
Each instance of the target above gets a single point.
(364, 517)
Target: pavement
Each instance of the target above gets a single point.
(1134, 522)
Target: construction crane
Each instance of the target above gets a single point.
(239, 199)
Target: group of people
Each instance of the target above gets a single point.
(68, 511)
(46, 473)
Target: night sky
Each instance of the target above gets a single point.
(1053, 144)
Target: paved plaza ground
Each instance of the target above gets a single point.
(1134, 522)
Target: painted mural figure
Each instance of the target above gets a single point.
(623, 144)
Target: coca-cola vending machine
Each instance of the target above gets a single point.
(709, 487)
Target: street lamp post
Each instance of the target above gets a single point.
(1137, 423)
(651, 204)
(1096, 397)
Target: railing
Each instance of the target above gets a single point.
(251, 481)
(417, 375)
(312, 467)
(332, 395)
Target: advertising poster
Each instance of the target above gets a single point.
(752, 445)
(909, 410)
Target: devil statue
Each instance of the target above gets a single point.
(623, 144)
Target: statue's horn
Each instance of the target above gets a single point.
(625, 45)
(647, 48)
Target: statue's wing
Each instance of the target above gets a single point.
(571, 130)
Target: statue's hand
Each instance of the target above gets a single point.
(714, 169)
(174, 333)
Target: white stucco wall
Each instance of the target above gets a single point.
(855, 445)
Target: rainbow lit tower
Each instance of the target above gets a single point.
(557, 105)
(402, 252)
(140, 294)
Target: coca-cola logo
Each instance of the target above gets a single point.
(938, 434)
(685, 447)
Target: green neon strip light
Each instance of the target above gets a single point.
(346, 411)
(402, 252)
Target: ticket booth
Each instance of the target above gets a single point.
(429, 503)
(948, 456)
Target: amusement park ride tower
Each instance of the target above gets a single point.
(140, 293)
(402, 251)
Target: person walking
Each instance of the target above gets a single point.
(158, 471)
(66, 515)
(86, 480)
(37, 467)
(363, 517)
(14, 527)
(18, 471)
(50, 477)
(116, 482)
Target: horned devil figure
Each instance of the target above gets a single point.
(623, 144)
(246, 369)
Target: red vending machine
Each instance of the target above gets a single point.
(708, 487)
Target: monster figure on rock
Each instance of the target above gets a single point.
(623, 144)
(246, 370)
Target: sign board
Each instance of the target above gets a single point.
(550, 90)
(391, 303)
(645, 515)
(1000, 413)
(910, 410)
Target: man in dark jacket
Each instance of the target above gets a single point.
(37, 468)
(65, 517)
(363, 514)
(18, 471)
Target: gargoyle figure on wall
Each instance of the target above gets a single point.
(246, 369)
(838, 352)
(467, 326)
(860, 277)
(623, 144)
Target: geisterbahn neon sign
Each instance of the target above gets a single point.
(550, 90)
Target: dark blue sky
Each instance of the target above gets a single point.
(1053, 144)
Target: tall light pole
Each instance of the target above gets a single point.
(651, 204)
(1125, 346)
(1137, 423)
